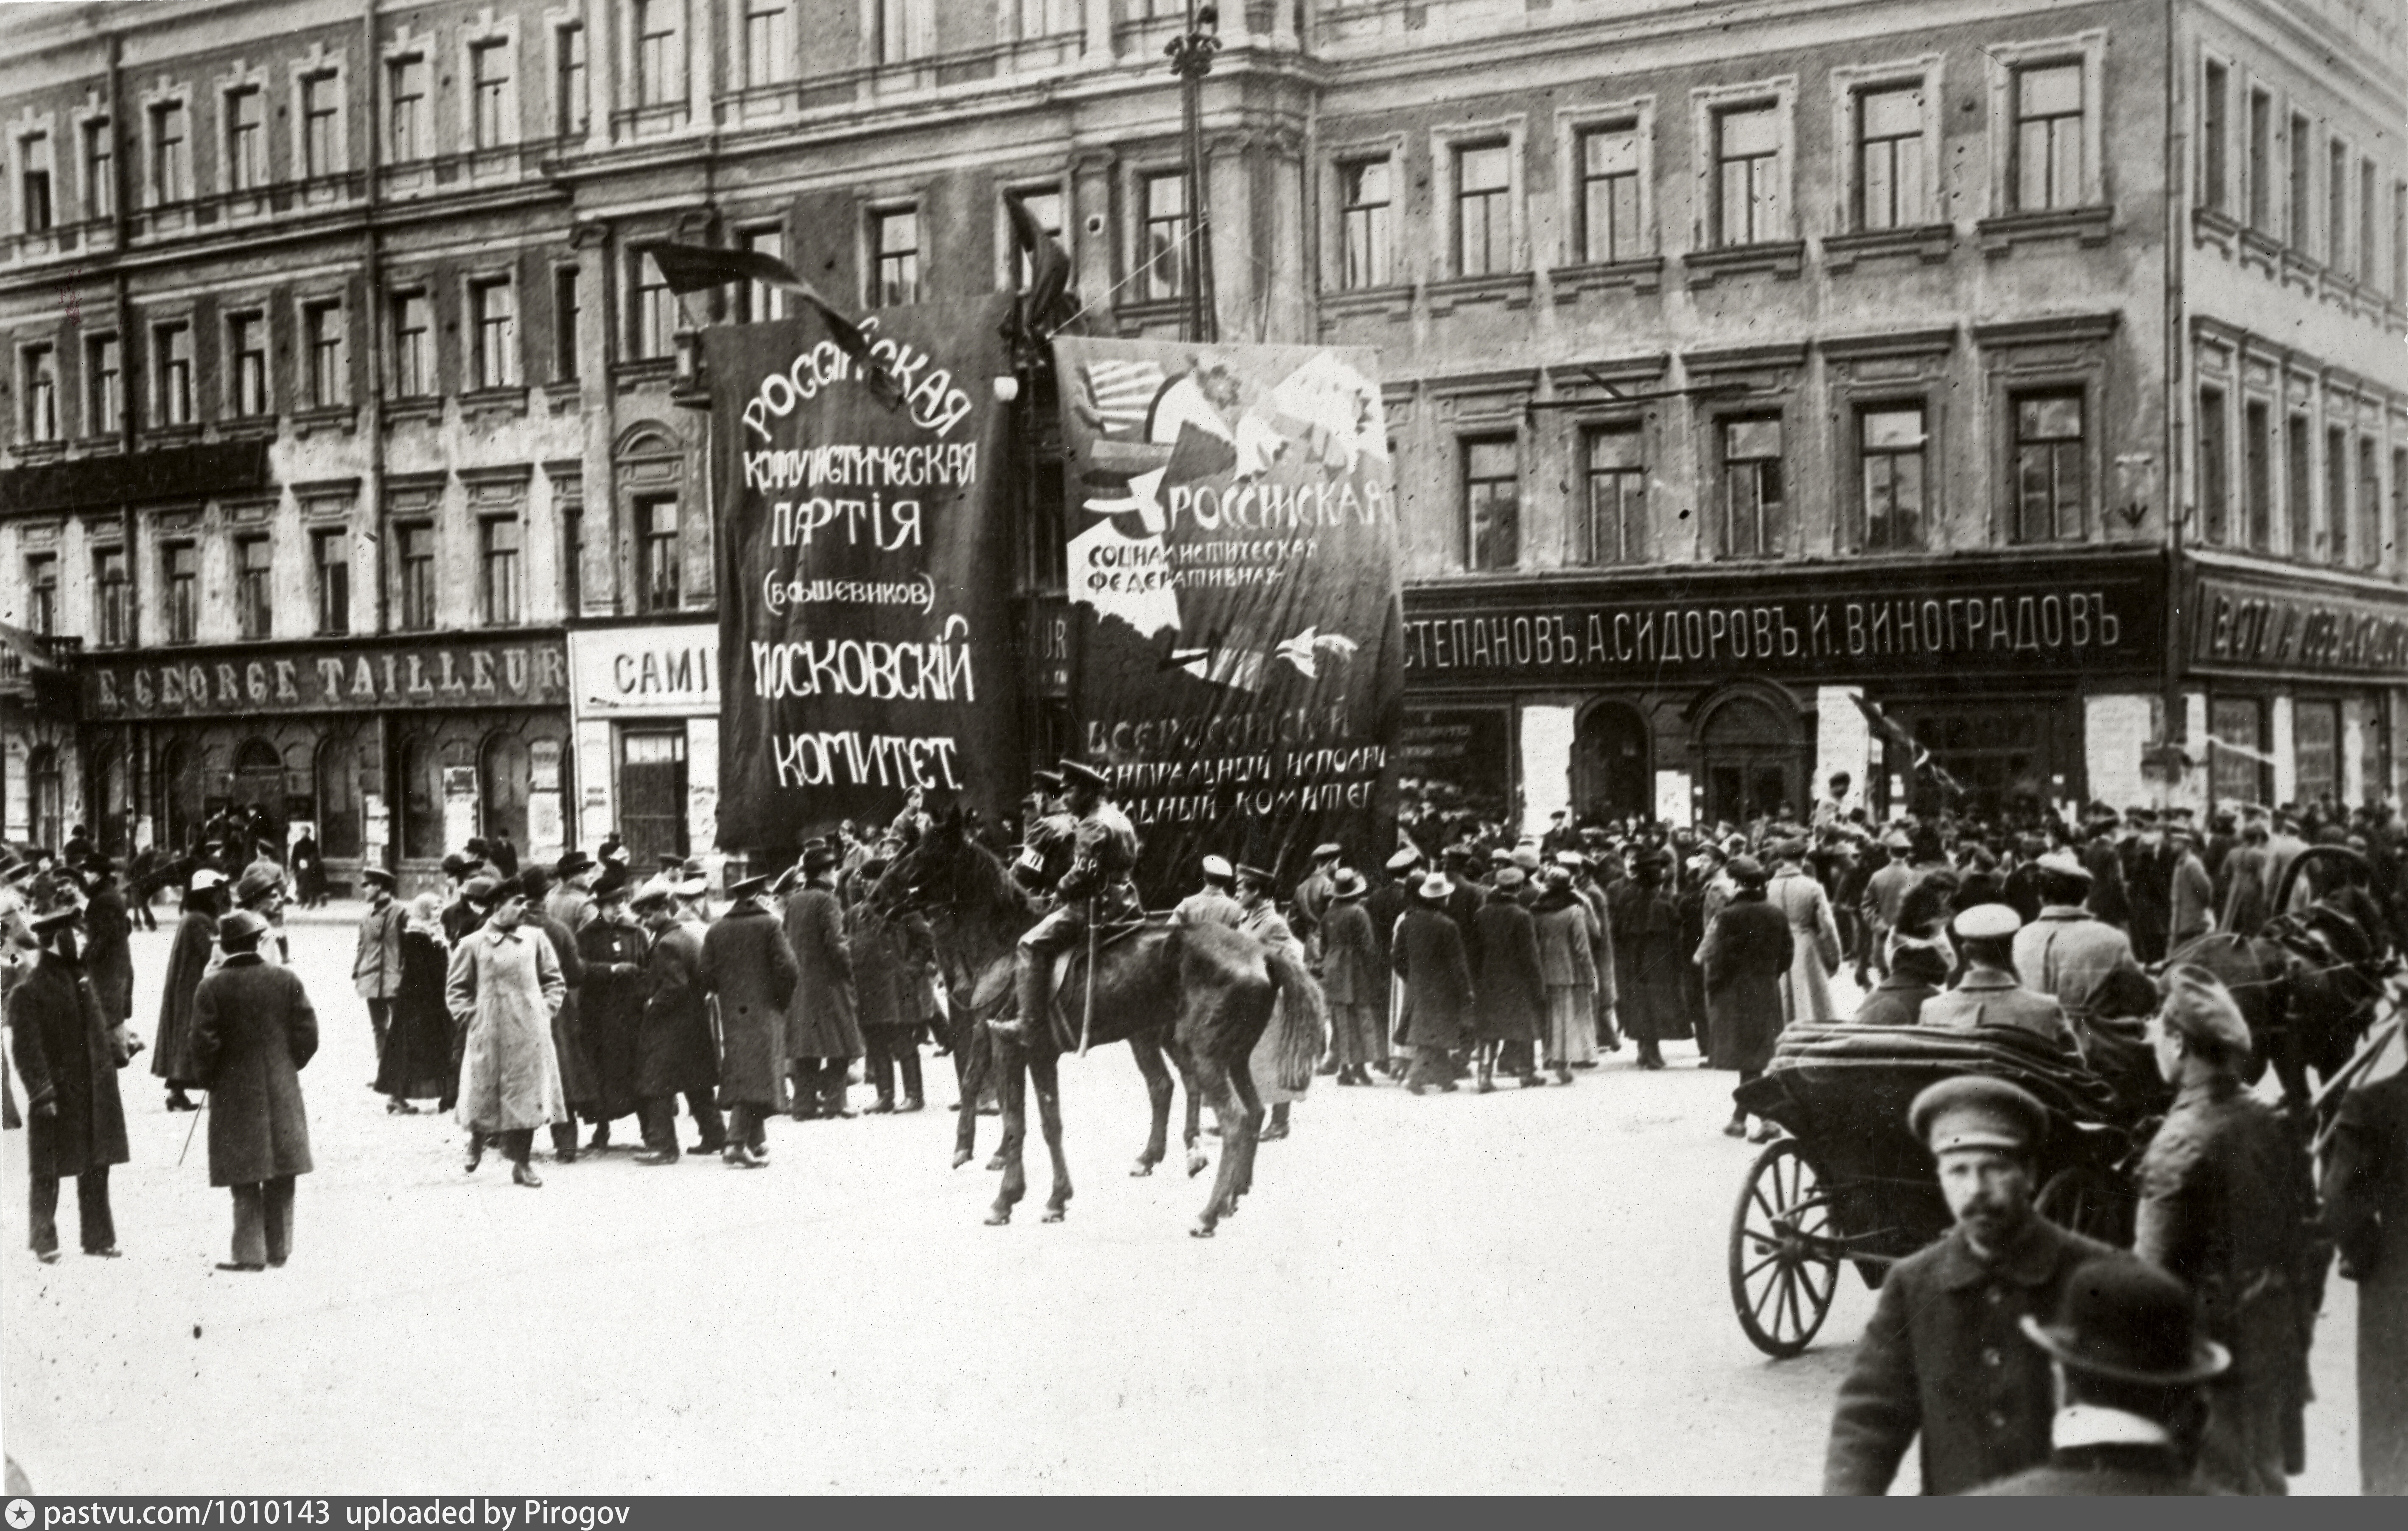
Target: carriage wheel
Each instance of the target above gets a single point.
(2086, 1201)
(1783, 1265)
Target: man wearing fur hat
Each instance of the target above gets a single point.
(2228, 1206)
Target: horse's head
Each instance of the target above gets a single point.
(922, 875)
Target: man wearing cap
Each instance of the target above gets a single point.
(571, 902)
(253, 1030)
(376, 961)
(2068, 953)
(823, 1024)
(2148, 882)
(2190, 892)
(188, 962)
(1104, 853)
(748, 968)
(68, 1054)
(1990, 993)
(2226, 1204)
(2128, 1362)
(675, 1053)
(1310, 899)
(261, 890)
(1214, 904)
(1945, 1354)
(1884, 892)
(502, 989)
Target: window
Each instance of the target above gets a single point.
(322, 330)
(758, 302)
(2400, 239)
(657, 582)
(564, 323)
(1492, 502)
(2315, 750)
(2369, 262)
(1754, 499)
(414, 345)
(2334, 534)
(245, 131)
(321, 103)
(655, 314)
(2048, 136)
(769, 42)
(413, 546)
(34, 205)
(421, 799)
(2369, 536)
(109, 572)
(1043, 205)
(2214, 489)
(338, 798)
(2237, 730)
(104, 386)
(171, 166)
(99, 169)
(2214, 103)
(42, 393)
(1364, 194)
(42, 592)
(330, 563)
(247, 360)
(255, 601)
(568, 106)
(405, 101)
(1892, 181)
(1747, 197)
(657, 65)
(2261, 157)
(2299, 195)
(489, 85)
(907, 29)
(498, 579)
(2399, 505)
(1163, 199)
(1891, 445)
(179, 568)
(572, 556)
(1484, 215)
(2050, 470)
(2298, 488)
(894, 237)
(171, 355)
(2257, 471)
(1608, 194)
(494, 310)
(2337, 205)
(1617, 531)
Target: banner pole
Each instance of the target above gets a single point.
(1087, 1022)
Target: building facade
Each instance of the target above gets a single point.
(2033, 371)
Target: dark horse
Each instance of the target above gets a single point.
(1204, 992)
(2306, 983)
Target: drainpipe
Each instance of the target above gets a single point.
(371, 407)
(2177, 477)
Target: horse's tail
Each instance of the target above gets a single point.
(1304, 1024)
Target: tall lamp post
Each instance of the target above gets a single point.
(1191, 59)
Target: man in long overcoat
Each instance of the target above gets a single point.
(1427, 954)
(1593, 893)
(675, 1054)
(1813, 936)
(611, 1007)
(1511, 988)
(376, 960)
(748, 965)
(567, 1028)
(1746, 952)
(1385, 905)
(254, 1032)
(68, 1056)
(1647, 957)
(1354, 979)
(823, 1028)
(197, 939)
(2366, 1206)
(502, 989)
(109, 944)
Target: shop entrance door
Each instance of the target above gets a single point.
(1751, 768)
(1610, 764)
(259, 784)
(652, 795)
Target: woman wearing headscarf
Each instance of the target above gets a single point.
(188, 960)
(417, 1060)
(1747, 951)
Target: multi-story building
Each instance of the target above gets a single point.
(2033, 369)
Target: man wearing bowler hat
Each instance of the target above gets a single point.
(68, 1055)
(571, 901)
(1944, 1356)
(1095, 887)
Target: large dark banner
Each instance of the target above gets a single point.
(864, 638)
(1233, 554)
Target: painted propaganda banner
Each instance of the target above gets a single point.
(864, 641)
(1232, 547)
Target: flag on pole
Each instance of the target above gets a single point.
(696, 268)
(1922, 760)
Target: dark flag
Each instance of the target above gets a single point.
(1922, 758)
(1049, 303)
(696, 267)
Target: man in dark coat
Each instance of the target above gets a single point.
(1647, 957)
(1944, 1356)
(68, 1055)
(108, 945)
(750, 969)
(823, 1028)
(2226, 1204)
(567, 1028)
(1385, 905)
(1917, 971)
(254, 1032)
(1427, 954)
(611, 1007)
(675, 1055)
(1354, 979)
(197, 939)
(1742, 957)
(2366, 1206)
(1510, 987)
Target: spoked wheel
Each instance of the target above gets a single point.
(1785, 1254)
(2086, 1200)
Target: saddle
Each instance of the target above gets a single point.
(995, 981)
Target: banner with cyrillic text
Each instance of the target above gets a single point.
(1232, 547)
(863, 640)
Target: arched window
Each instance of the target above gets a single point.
(45, 799)
(338, 798)
(422, 800)
(503, 788)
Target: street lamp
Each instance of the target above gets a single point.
(1191, 59)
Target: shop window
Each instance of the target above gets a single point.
(2316, 751)
(2000, 755)
(1484, 214)
(422, 800)
(1608, 194)
(180, 569)
(1893, 183)
(110, 808)
(1367, 194)
(330, 563)
(504, 776)
(1162, 201)
(178, 784)
(1747, 161)
(259, 783)
(1754, 490)
(1616, 524)
(2215, 488)
(2236, 746)
(337, 774)
(1751, 756)
(2050, 487)
(109, 572)
(658, 565)
(414, 575)
(1492, 502)
(1891, 446)
(254, 599)
(653, 793)
(45, 799)
(894, 237)
(42, 592)
(2257, 473)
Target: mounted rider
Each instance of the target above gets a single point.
(1097, 887)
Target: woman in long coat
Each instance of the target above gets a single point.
(1746, 951)
(748, 964)
(1354, 980)
(1511, 990)
(108, 946)
(1427, 952)
(1567, 929)
(503, 988)
(1813, 938)
(1648, 959)
(610, 1008)
(188, 959)
(416, 1064)
(254, 1032)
